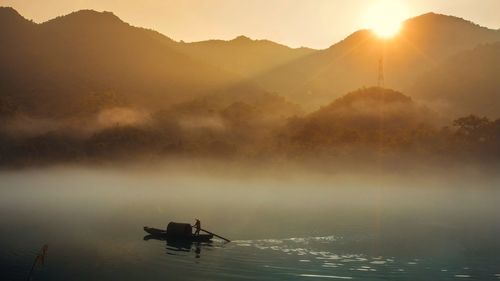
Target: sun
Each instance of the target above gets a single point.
(385, 17)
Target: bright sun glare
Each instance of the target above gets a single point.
(385, 17)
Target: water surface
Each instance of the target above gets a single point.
(283, 227)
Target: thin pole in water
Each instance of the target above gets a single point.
(39, 258)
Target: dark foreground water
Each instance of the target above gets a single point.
(286, 227)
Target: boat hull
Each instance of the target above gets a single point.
(162, 234)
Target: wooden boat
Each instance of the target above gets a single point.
(178, 231)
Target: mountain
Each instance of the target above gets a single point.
(423, 43)
(50, 68)
(365, 116)
(467, 83)
(89, 59)
(244, 56)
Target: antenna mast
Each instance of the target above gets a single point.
(381, 80)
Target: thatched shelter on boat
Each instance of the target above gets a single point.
(175, 229)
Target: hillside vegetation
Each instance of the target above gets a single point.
(89, 87)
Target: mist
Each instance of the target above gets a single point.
(291, 163)
(285, 201)
(364, 126)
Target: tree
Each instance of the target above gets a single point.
(473, 128)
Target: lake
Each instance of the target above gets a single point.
(284, 225)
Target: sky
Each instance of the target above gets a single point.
(296, 23)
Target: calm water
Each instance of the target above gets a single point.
(285, 227)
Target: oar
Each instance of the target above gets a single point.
(215, 235)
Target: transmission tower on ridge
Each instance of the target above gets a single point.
(381, 80)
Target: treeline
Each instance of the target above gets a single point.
(468, 138)
(370, 122)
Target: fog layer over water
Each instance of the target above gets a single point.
(285, 223)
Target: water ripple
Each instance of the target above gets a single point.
(325, 276)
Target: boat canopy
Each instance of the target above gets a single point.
(175, 229)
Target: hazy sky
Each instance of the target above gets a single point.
(312, 23)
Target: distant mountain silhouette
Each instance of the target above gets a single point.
(423, 43)
(466, 83)
(48, 67)
(244, 56)
(59, 67)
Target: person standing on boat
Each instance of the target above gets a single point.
(197, 226)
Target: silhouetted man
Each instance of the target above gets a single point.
(197, 226)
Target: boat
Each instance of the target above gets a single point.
(178, 231)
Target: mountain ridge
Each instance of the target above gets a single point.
(465, 83)
(353, 62)
(61, 62)
(110, 15)
(89, 51)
